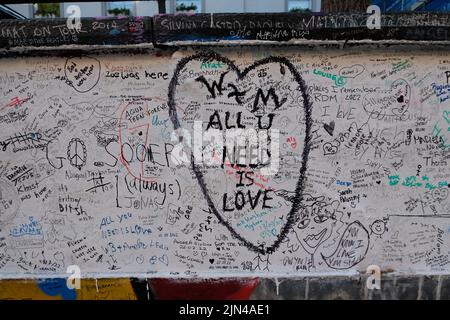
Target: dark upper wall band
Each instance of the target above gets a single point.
(163, 29)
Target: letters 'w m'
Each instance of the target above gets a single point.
(214, 86)
(265, 99)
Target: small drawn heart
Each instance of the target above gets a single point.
(378, 181)
(402, 90)
(203, 254)
(140, 259)
(329, 128)
(328, 148)
(164, 259)
(83, 73)
(211, 261)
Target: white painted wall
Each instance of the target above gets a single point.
(377, 175)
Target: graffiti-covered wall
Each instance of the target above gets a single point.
(219, 161)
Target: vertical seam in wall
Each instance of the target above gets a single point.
(438, 288)
(152, 31)
(419, 291)
(366, 291)
(307, 289)
(277, 286)
(395, 289)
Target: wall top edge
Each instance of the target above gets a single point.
(211, 29)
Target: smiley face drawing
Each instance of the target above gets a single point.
(378, 227)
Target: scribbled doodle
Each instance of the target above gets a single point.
(9, 201)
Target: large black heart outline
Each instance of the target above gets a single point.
(307, 106)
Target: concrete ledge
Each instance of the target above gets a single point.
(288, 26)
(94, 31)
(212, 28)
